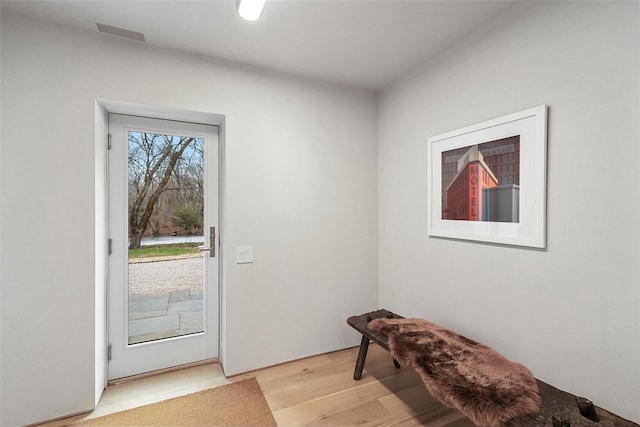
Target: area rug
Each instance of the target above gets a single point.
(462, 373)
(236, 404)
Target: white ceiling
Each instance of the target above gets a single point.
(362, 43)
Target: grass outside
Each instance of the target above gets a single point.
(169, 250)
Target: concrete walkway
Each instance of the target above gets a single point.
(162, 308)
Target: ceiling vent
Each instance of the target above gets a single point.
(120, 32)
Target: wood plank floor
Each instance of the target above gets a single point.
(316, 391)
(320, 391)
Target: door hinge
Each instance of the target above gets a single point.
(109, 246)
(108, 141)
(109, 353)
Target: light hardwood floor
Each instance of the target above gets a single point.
(319, 390)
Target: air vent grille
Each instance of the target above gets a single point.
(120, 32)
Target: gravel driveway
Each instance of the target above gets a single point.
(166, 276)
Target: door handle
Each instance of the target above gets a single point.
(212, 243)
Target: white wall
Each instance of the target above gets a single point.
(571, 313)
(301, 189)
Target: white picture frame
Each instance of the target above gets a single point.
(508, 156)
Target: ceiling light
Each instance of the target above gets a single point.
(250, 9)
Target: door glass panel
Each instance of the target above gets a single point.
(165, 228)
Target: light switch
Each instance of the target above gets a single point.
(245, 254)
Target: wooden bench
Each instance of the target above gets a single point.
(558, 409)
(361, 324)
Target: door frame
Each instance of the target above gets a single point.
(104, 107)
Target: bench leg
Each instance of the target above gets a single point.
(362, 355)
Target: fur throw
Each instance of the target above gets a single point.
(462, 373)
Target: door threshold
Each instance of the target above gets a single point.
(162, 371)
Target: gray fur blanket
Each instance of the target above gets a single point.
(462, 373)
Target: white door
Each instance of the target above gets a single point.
(163, 267)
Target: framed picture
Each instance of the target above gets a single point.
(487, 182)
